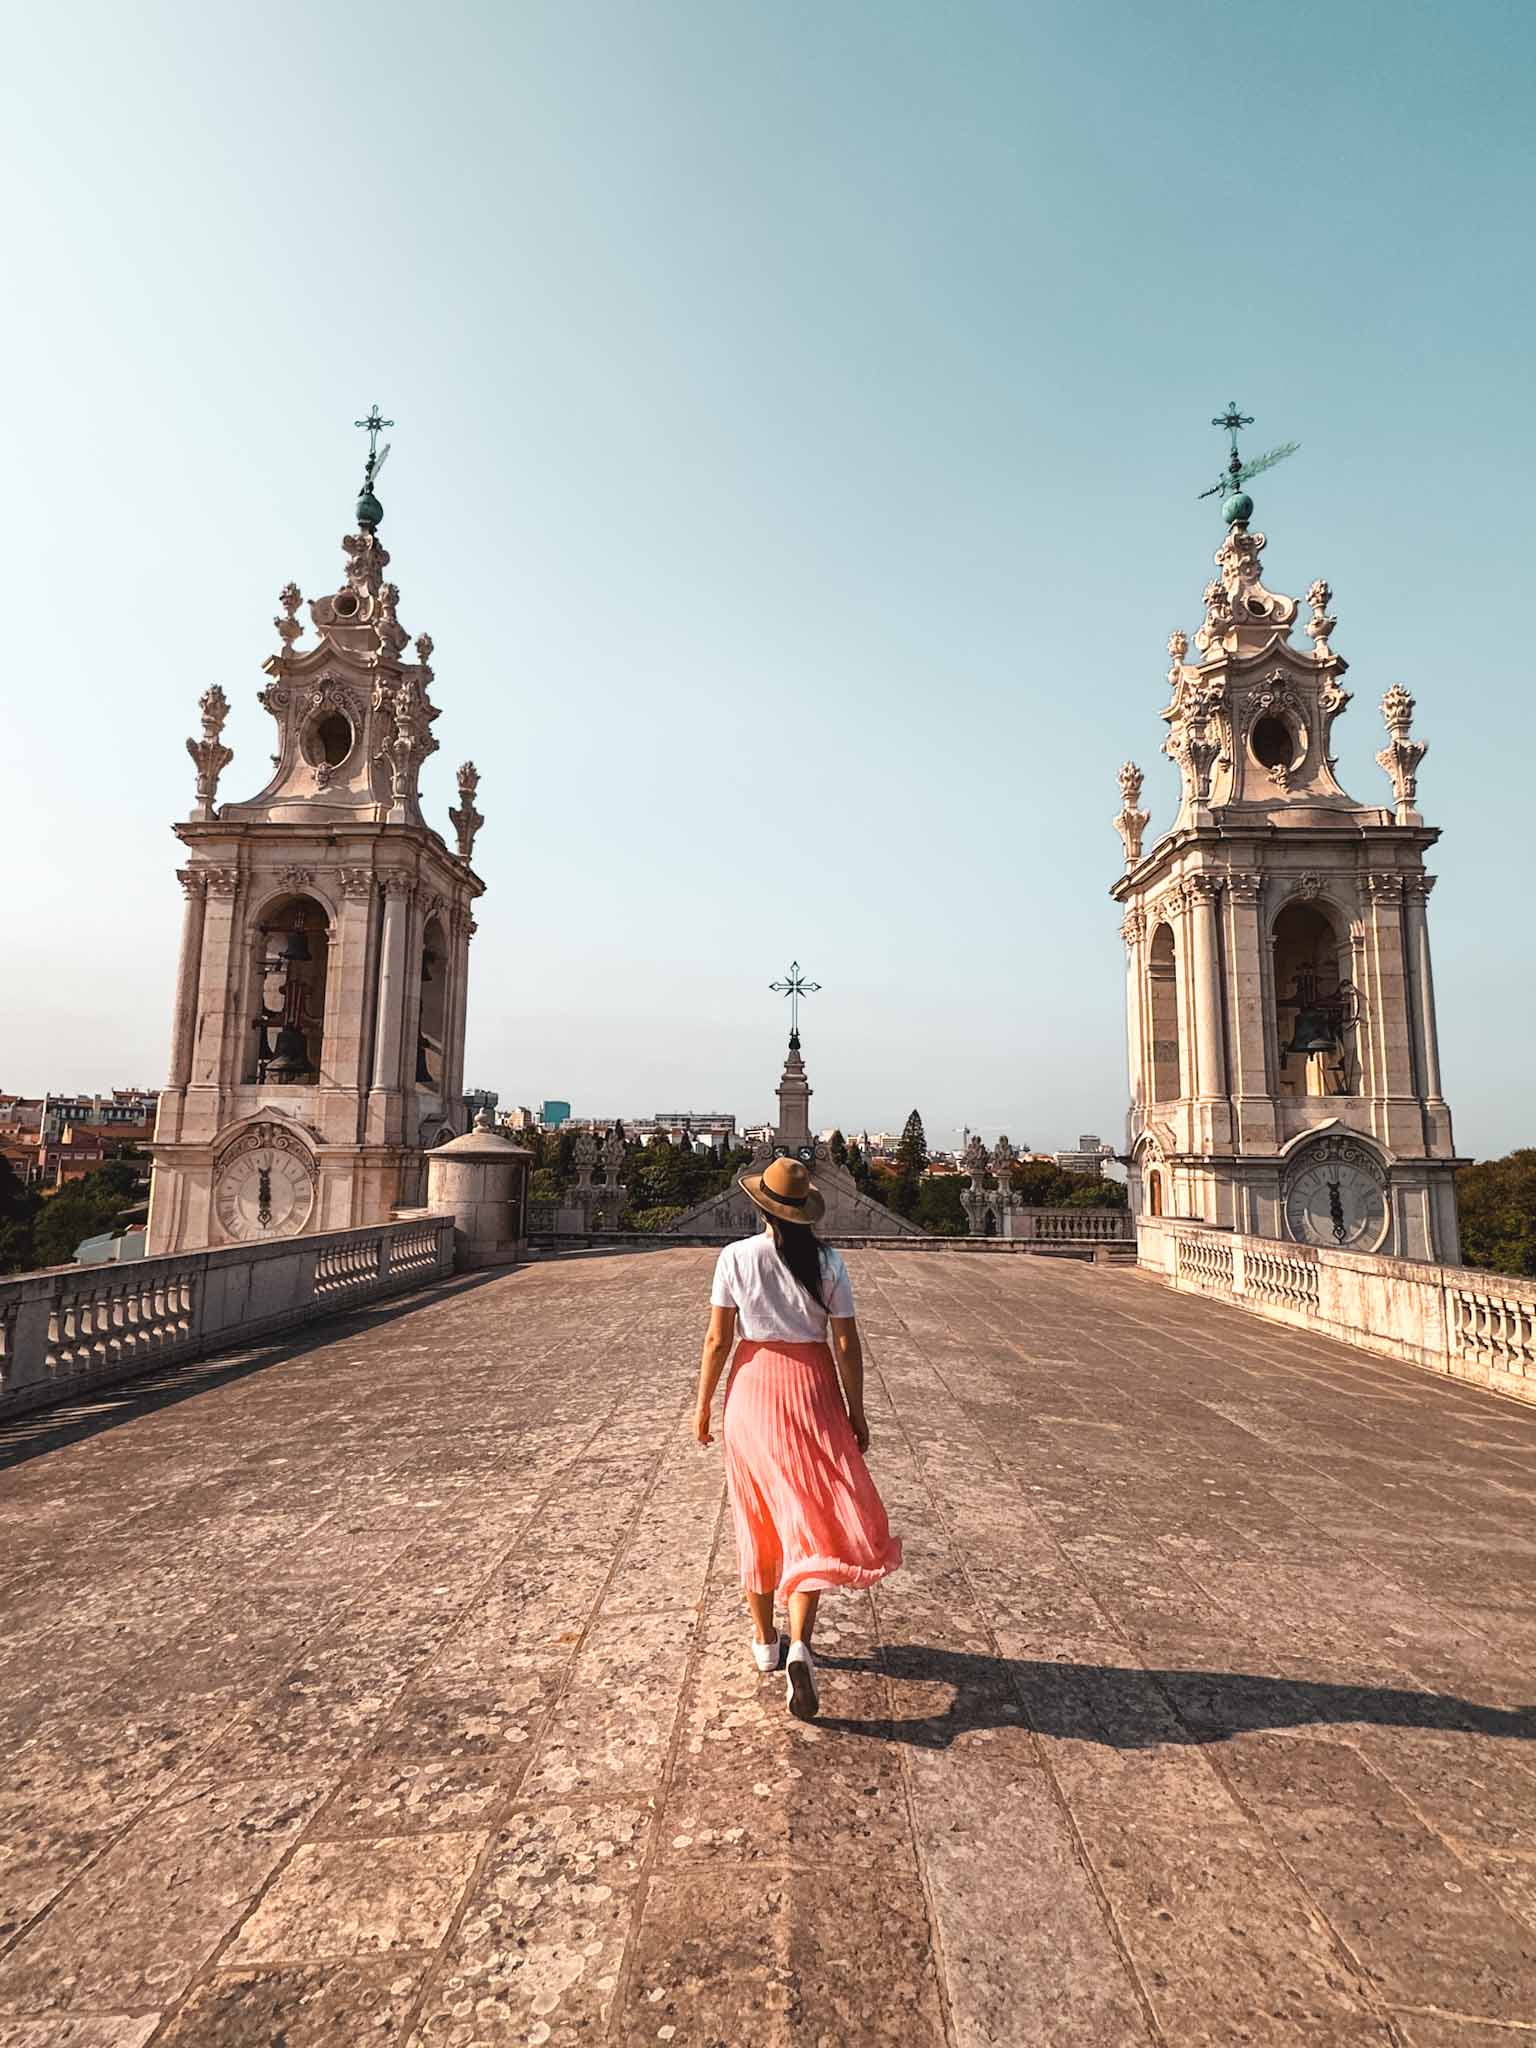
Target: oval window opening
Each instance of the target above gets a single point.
(333, 736)
(1272, 744)
(344, 605)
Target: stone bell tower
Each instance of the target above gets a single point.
(1285, 1077)
(318, 1024)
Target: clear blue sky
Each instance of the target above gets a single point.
(800, 415)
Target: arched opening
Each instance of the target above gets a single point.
(290, 957)
(1154, 1193)
(989, 1225)
(432, 1041)
(333, 739)
(1316, 1007)
(1163, 1008)
(1273, 744)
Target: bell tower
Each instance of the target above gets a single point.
(318, 1024)
(1285, 1075)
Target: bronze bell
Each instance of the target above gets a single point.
(424, 1077)
(297, 946)
(1314, 1032)
(292, 1062)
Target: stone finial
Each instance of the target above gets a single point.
(1132, 823)
(1241, 616)
(410, 743)
(1003, 1156)
(1402, 754)
(424, 646)
(289, 627)
(466, 821)
(1178, 645)
(484, 1121)
(209, 753)
(1322, 621)
(974, 1160)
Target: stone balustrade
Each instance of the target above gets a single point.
(1072, 1226)
(1456, 1320)
(71, 1327)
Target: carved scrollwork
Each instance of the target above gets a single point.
(1416, 888)
(1402, 754)
(296, 877)
(1383, 888)
(288, 626)
(194, 881)
(355, 881)
(1133, 927)
(265, 1137)
(222, 881)
(398, 884)
(466, 821)
(1243, 885)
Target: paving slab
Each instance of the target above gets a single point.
(389, 1683)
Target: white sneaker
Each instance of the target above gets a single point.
(800, 1683)
(766, 1655)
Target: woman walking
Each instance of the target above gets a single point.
(807, 1515)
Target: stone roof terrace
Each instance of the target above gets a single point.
(388, 1684)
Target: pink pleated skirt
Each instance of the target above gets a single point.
(807, 1516)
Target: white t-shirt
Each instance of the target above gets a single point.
(771, 1306)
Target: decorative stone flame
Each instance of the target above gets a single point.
(1402, 754)
(466, 821)
(288, 626)
(209, 753)
(1322, 621)
(1240, 614)
(1131, 822)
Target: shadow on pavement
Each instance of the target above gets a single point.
(1129, 1707)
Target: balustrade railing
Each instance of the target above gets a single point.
(1453, 1319)
(1074, 1226)
(75, 1326)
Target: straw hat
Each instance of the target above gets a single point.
(784, 1189)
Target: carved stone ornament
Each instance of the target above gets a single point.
(1402, 754)
(614, 1154)
(1345, 1151)
(398, 884)
(194, 881)
(1131, 823)
(296, 878)
(410, 741)
(222, 881)
(355, 881)
(265, 1137)
(1416, 888)
(210, 756)
(1322, 621)
(1383, 888)
(1003, 1156)
(1245, 614)
(1133, 927)
(974, 1160)
(1309, 887)
(1244, 886)
(1202, 888)
(466, 821)
(289, 628)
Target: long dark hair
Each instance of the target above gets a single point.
(800, 1249)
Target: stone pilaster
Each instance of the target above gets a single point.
(1248, 1012)
(384, 1120)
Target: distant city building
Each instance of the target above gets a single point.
(1091, 1157)
(520, 1119)
(476, 1099)
(52, 1139)
(553, 1114)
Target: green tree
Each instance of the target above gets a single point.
(1496, 1200)
(911, 1163)
(939, 1207)
(837, 1146)
(19, 1205)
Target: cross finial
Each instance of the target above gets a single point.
(374, 426)
(794, 985)
(1232, 420)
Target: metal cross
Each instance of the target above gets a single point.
(1238, 471)
(794, 986)
(375, 426)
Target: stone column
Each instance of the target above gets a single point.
(346, 1050)
(463, 927)
(1422, 985)
(188, 972)
(389, 1019)
(1205, 956)
(410, 1029)
(1386, 993)
(1247, 1011)
(1134, 932)
(222, 991)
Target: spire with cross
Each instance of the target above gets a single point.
(369, 510)
(1238, 506)
(794, 985)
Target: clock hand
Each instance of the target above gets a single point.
(1336, 1211)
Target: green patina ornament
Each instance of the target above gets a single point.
(1236, 505)
(369, 510)
(1238, 509)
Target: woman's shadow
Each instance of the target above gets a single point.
(1128, 1707)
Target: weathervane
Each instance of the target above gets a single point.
(369, 510)
(1238, 471)
(794, 986)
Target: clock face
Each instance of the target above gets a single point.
(1332, 1201)
(266, 1192)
